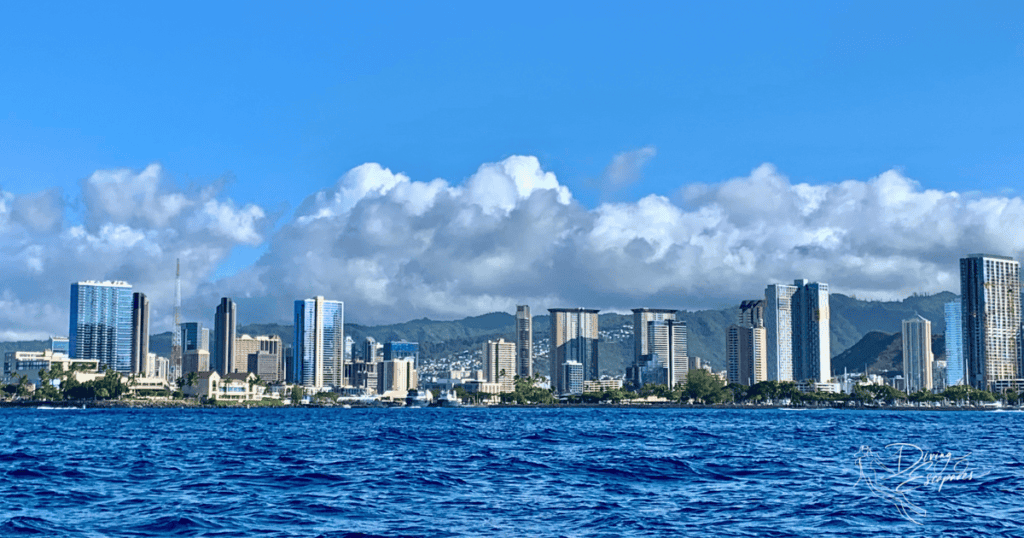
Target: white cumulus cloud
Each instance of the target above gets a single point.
(396, 248)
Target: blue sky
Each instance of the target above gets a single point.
(268, 103)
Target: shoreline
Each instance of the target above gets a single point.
(194, 404)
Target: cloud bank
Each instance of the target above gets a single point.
(395, 248)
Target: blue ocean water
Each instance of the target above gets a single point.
(510, 472)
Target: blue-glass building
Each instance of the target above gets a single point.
(954, 345)
(318, 352)
(194, 337)
(101, 324)
(403, 350)
(60, 344)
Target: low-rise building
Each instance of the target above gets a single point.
(601, 385)
(29, 363)
(239, 386)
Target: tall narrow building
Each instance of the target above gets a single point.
(524, 341)
(319, 348)
(100, 325)
(778, 324)
(812, 357)
(954, 345)
(917, 354)
(140, 334)
(574, 336)
(990, 314)
(225, 328)
(746, 345)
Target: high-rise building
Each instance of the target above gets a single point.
(398, 375)
(101, 323)
(194, 336)
(917, 354)
(796, 320)
(225, 326)
(140, 333)
(499, 358)
(812, 357)
(746, 345)
(574, 336)
(261, 355)
(373, 351)
(645, 368)
(524, 341)
(666, 346)
(990, 317)
(319, 353)
(195, 360)
(954, 345)
(778, 324)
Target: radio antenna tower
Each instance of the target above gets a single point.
(176, 334)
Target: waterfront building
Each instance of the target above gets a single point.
(601, 385)
(796, 320)
(319, 342)
(812, 358)
(745, 355)
(917, 354)
(746, 345)
(29, 363)
(524, 341)
(954, 345)
(778, 323)
(239, 386)
(499, 358)
(990, 317)
(100, 325)
(140, 333)
(572, 377)
(225, 328)
(397, 377)
(574, 336)
(645, 368)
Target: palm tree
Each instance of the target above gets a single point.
(193, 379)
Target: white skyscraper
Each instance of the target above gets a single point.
(778, 324)
(917, 354)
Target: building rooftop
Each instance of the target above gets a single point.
(994, 256)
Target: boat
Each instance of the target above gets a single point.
(449, 399)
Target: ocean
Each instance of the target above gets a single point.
(574, 472)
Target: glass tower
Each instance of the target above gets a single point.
(954, 345)
(318, 355)
(100, 327)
